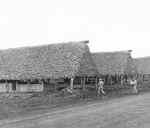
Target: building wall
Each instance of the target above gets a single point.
(29, 88)
(7, 87)
(3, 87)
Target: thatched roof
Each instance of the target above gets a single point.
(143, 65)
(47, 61)
(112, 63)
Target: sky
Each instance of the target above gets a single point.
(109, 25)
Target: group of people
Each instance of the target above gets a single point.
(100, 86)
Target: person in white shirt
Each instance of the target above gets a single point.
(100, 87)
(133, 82)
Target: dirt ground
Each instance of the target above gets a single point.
(125, 112)
(14, 105)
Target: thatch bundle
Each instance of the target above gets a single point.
(47, 61)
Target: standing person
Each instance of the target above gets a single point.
(100, 88)
(133, 82)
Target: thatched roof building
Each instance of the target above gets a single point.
(47, 61)
(112, 63)
(143, 65)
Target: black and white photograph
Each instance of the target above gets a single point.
(74, 64)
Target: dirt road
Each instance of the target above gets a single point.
(126, 112)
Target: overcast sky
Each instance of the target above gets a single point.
(110, 25)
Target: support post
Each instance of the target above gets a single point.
(81, 79)
(28, 84)
(7, 86)
(110, 79)
(117, 79)
(83, 83)
(142, 78)
(17, 88)
(121, 80)
(71, 83)
(96, 82)
(42, 83)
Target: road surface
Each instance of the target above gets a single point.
(126, 112)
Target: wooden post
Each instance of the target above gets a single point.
(121, 79)
(17, 88)
(96, 81)
(83, 86)
(96, 84)
(110, 79)
(7, 86)
(28, 84)
(83, 83)
(116, 78)
(71, 83)
(137, 76)
(42, 83)
(142, 78)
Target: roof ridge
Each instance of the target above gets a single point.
(144, 57)
(121, 51)
(43, 45)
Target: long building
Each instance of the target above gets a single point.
(115, 67)
(30, 69)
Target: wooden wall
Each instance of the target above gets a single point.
(29, 88)
(7, 87)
